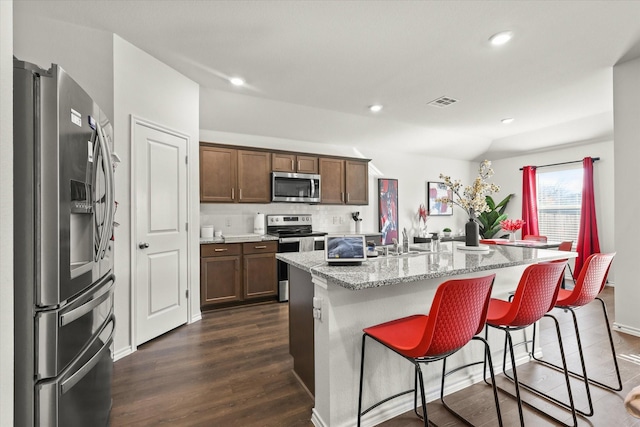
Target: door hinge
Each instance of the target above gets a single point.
(186, 294)
(186, 160)
(186, 226)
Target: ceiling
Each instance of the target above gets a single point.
(313, 67)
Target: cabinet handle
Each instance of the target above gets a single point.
(348, 197)
(342, 197)
(240, 198)
(233, 194)
(260, 247)
(298, 164)
(220, 249)
(292, 164)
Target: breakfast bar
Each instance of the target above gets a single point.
(337, 302)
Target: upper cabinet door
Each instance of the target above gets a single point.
(218, 174)
(281, 162)
(357, 182)
(254, 177)
(332, 181)
(307, 164)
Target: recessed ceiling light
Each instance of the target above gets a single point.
(507, 120)
(500, 38)
(375, 108)
(236, 81)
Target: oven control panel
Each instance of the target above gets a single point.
(290, 220)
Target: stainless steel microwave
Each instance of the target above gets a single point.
(295, 187)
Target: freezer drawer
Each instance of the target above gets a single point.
(62, 334)
(81, 395)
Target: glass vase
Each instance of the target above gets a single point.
(512, 236)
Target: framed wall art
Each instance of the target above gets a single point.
(438, 190)
(388, 209)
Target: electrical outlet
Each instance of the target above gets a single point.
(341, 220)
(227, 222)
(335, 219)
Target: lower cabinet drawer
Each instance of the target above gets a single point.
(259, 247)
(220, 249)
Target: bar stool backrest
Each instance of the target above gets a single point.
(536, 293)
(535, 238)
(565, 246)
(458, 312)
(591, 279)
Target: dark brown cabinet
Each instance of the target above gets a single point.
(344, 181)
(228, 175)
(259, 273)
(236, 273)
(285, 162)
(218, 174)
(220, 279)
(233, 175)
(254, 184)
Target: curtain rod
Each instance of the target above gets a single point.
(595, 159)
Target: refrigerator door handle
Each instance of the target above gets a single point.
(67, 384)
(109, 194)
(85, 308)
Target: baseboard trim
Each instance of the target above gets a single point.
(123, 352)
(626, 329)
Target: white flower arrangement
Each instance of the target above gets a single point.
(471, 198)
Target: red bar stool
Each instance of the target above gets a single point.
(535, 296)
(590, 282)
(457, 314)
(566, 247)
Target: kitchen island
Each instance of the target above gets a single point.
(343, 300)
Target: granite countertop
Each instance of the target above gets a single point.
(234, 239)
(390, 270)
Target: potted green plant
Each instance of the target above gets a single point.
(490, 220)
(446, 232)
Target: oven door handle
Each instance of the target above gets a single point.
(289, 240)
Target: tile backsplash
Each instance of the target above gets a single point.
(238, 218)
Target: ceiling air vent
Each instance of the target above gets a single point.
(443, 101)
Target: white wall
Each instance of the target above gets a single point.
(84, 53)
(509, 176)
(412, 172)
(626, 104)
(6, 212)
(148, 89)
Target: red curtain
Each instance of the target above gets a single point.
(588, 242)
(529, 201)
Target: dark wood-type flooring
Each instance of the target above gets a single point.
(233, 369)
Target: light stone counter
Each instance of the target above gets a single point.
(391, 270)
(385, 288)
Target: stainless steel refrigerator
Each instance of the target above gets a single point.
(63, 247)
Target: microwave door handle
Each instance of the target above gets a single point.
(313, 188)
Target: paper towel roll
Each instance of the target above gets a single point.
(258, 224)
(206, 232)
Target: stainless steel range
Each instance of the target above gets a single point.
(295, 233)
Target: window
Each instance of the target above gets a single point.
(559, 203)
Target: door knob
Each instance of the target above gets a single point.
(143, 245)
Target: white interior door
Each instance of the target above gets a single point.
(161, 231)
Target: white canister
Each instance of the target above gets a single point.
(258, 224)
(206, 232)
